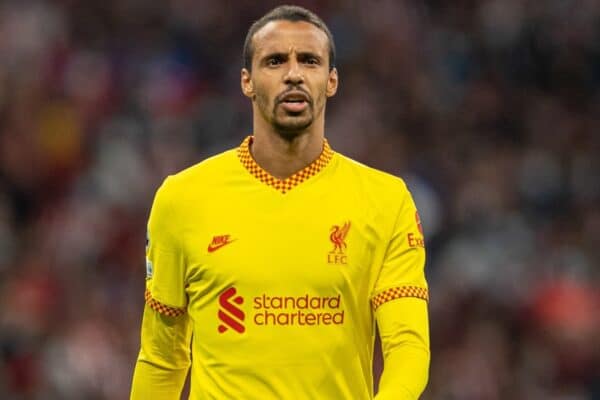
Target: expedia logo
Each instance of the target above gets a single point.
(416, 240)
(231, 316)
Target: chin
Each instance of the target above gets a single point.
(291, 129)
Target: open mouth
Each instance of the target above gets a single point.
(294, 106)
(294, 101)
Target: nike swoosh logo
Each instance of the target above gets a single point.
(215, 247)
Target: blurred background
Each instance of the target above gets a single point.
(489, 109)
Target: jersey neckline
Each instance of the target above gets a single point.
(283, 185)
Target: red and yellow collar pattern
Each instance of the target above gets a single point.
(287, 184)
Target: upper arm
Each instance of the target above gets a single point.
(165, 326)
(165, 258)
(402, 273)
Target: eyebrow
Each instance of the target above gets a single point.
(285, 56)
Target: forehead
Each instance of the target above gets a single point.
(283, 36)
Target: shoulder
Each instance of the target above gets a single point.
(381, 184)
(212, 169)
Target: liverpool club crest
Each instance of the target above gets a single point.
(337, 236)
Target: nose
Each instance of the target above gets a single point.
(294, 75)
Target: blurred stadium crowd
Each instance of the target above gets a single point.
(489, 109)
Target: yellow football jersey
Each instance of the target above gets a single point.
(281, 280)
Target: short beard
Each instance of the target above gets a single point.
(294, 129)
(289, 132)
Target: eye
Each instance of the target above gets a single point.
(312, 61)
(274, 61)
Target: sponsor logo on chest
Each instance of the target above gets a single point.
(277, 310)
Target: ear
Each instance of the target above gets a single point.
(332, 83)
(246, 83)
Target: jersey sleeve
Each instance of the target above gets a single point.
(402, 272)
(399, 300)
(404, 331)
(165, 260)
(164, 358)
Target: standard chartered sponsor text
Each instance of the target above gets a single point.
(298, 310)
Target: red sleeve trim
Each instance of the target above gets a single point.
(398, 292)
(161, 308)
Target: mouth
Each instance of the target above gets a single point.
(294, 101)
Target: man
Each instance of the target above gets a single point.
(280, 255)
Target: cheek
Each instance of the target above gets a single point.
(261, 92)
(263, 100)
(321, 95)
(321, 92)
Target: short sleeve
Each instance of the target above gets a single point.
(402, 272)
(165, 261)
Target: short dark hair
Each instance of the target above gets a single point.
(286, 13)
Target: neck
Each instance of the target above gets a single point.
(281, 156)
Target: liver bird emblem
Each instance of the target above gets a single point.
(338, 237)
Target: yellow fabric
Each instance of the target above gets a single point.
(277, 287)
(403, 328)
(164, 358)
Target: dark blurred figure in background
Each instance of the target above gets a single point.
(490, 109)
